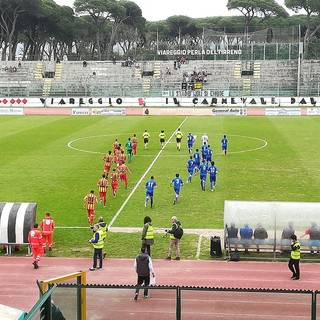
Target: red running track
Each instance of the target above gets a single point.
(19, 289)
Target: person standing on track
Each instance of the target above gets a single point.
(143, 266)
(294, 262)
(36, 241)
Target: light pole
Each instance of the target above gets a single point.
(51, 55)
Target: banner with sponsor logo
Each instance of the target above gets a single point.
(108, 112)
(229, 112)
(102, 103)
(80, 112)
(11, 112)
(313, 111)
(283, 112)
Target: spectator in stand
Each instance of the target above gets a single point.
(260, 234)
(246, 234)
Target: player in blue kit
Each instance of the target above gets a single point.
(213, 170)
(150, 186)
(204, 148)
(190, 167)
(203, 169)
(224, 145)
(209, 154)
(197, 157)
(190, 141)
(177, 184)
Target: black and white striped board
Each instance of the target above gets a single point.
(16, 220)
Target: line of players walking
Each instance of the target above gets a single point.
(119, 156)
(201, 161)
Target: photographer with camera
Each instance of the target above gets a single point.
(175, 233)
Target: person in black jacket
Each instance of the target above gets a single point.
(143, 266)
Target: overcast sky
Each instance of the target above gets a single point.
(155, 10)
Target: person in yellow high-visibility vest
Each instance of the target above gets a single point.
(147, 235)
(162, 137)
(294, 261)
(179, 136)
(98, 244)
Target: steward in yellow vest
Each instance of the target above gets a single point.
(98, 244)
(147, 235)
(294, 261)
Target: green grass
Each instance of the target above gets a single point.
(36, 165)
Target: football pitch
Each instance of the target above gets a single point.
(54, 161)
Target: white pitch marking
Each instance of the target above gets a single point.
(143, 176)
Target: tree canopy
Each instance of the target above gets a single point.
(99, 29)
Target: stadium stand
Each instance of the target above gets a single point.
(232, 78)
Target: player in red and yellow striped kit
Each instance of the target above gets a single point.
(103, 185)
(114, 176)
(108, 160)
(89, 202)
(123, 169)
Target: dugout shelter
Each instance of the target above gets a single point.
(274, 217)
(16, 220)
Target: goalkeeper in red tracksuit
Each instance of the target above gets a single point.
(36, 241)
